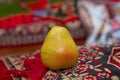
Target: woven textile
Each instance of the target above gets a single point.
(93, 63)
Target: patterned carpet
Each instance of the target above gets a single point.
(94, 63)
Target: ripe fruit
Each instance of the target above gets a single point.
(59, 50)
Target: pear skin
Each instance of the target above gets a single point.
(59, 50)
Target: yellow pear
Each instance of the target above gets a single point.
(59, 50)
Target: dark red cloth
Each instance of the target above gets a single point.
(69, 19)
(4, 23)
(19, 19)
(41, 4)
(27, 18)
(12, 21)
(33, 69)
(3, 69)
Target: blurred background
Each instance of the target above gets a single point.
(24, 24)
